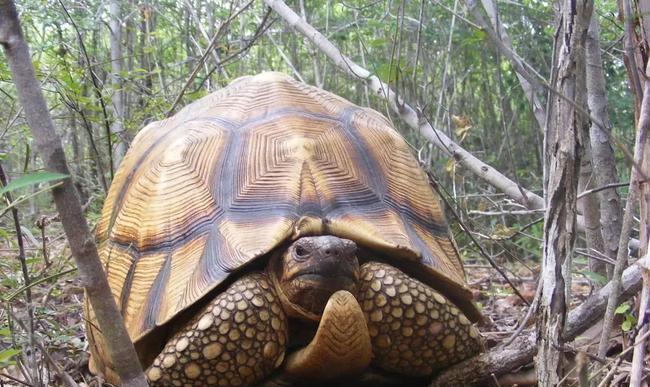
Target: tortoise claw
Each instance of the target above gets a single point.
(341, 346)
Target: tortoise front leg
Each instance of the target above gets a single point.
(414, 329)
(238, 339)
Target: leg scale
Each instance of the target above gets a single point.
(414, 329)
(238, 339)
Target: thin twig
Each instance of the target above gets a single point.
(598, 189)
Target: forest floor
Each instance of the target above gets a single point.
(58, 320)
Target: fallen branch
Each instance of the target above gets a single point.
(500, 360)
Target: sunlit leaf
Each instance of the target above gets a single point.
(7, 354)
(623, 308)
(31, 179)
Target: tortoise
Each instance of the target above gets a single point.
(275, 228)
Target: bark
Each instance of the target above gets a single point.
(65, 197)
(644, 162)
(117, 128)
(633, 60)
(602, 153)
(500, 360)
(563, 150)
(639, 356)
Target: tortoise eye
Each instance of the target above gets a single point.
(301, 252)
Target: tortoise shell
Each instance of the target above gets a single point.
(259, 163)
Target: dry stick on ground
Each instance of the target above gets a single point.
(500, 360)
(66, 379)
(66, 199)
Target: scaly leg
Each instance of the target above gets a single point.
(414, 329)
(238, 339)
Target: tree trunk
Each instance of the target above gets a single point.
(66, 199)
(589, 207)
(602, 154)
(563, 149)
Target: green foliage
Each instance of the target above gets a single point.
(31, 179)
(7, 357)
(629, 321)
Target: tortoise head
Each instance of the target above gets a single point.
(310, 270)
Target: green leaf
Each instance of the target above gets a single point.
(626, 326)
(31, 179)
(5, 332)
(7, 354)
(623, 308)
